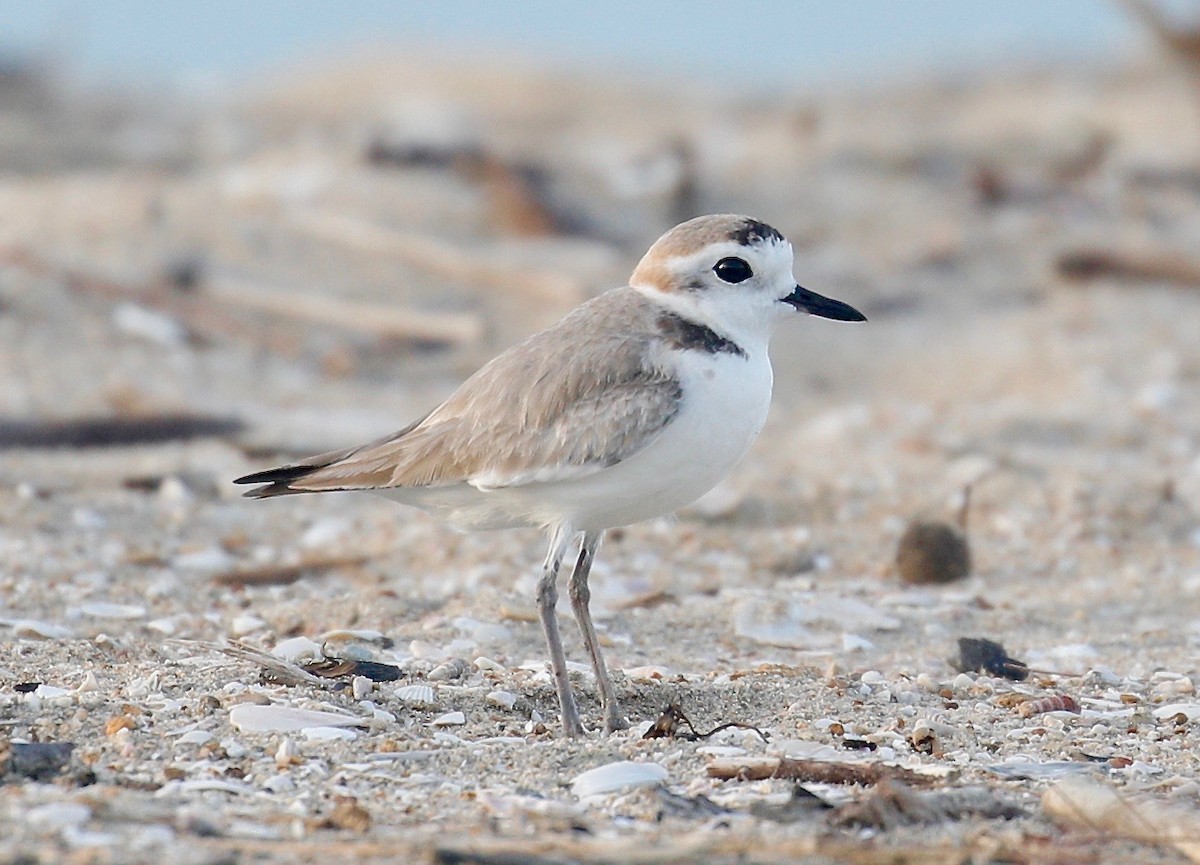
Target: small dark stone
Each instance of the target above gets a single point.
(26, 687)
(185, 273)
(858, 745)
(978, 654)
(931, 553)
(38, 761)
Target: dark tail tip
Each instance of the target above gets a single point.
(276, 481)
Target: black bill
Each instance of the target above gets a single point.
(825, 307)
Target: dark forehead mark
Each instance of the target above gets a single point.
(753, 231)
(689, 335)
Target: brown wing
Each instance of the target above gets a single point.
(571, 400)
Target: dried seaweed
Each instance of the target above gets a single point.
(669, 725)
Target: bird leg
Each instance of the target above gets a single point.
(547, 598)
(580, 596)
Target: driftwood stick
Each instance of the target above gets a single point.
(813, 771)
(282, 575)
(440, 259)
(1146, 265)
(284, 672)
(374, 319)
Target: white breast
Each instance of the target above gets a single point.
(725, 403)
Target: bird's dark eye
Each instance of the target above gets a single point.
(732, 270)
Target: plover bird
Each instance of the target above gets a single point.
(635, 404)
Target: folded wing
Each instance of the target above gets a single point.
(585, 394)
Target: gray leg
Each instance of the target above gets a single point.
(580, 595)
(547, 598)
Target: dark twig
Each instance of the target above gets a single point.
(667, 726)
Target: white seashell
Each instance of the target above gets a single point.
(361, 687)
(855, 643)
(417, 696)
(450, 719)
(250, 718)
(298, 649)
(285, 754)
(194, 737)
(203, 785)
(325, 532)
(235, 749)
(209, 559)
(59, 815)
(504, 699)
(246, 623)
(1190, 710)
(148, 324)
(166, 626)
(32, 629)
(487, 665)
(103, 610)
(89, 683)
(346, 635)
(44, 691)
(483, 632)
(648, 673)
(721, 750)
(281, 783)
(622, 775)
(327, 734)
(803, 749)
(454, 669)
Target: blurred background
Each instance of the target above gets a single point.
(274, 229)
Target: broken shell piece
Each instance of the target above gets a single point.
(285, 754)
(455, 669)
(450, 719)
(504, 699)
(298, 649)
(622, 775)
(105, 610)
(487, 665)
(327, 734)
(1191, 711)
(31, 629)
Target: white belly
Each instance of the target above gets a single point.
(726, 399)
